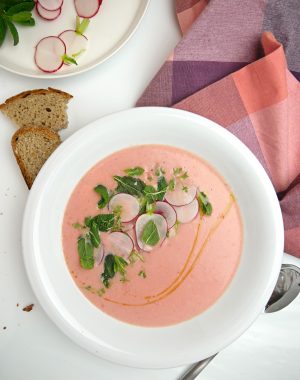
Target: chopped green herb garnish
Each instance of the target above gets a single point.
(86, 253)
(162, 187)
(159, 171)
(100, 292)
(78, 226)
(150, 235)
(142, 274)
(134, 172)
(113, 264)
(150, 193)
(135, 256)
(171, 185)
(177, 171)
(185, 189)
(104, 196)
(104, 221)
(204, 203)
(150, 208)
(130, 185)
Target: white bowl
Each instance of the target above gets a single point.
(186, 342)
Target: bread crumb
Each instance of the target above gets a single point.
(28, 308)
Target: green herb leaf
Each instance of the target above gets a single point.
(109, 271)
(132, 172)
(30, 22)
(81, 26)
(204, 203)
(3, 29)
(24, 6)
(150, 193)
(21, 17)
(104, 196)
(135, 256)
(150, 235)
(86, 253)
(88, 221)
(78, 226)
(13, 32)
(104, 221)
(113, 264)
(162, 187)
(171, 185)
(94, 234)
(129, 185)
(142, 274)
(159, 171)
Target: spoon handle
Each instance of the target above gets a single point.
(195, 369)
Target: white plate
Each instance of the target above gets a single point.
(107, 337)
(108, 31)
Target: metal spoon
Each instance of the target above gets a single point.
(286, 290)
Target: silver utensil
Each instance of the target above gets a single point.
(286, 290)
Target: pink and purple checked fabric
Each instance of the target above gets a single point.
(238, 64)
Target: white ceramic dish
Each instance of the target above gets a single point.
(111, 339)
(108, 31)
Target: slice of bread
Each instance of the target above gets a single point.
(38, 108)
(32, 146)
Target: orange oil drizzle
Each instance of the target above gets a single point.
(176, 285)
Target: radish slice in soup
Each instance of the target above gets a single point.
(129, 206)
(51, 5)
(49, 54)
(161, 225)
(75, 43)
(47, 15)
(118, 243)
(167, 211)
(181, 195)
(187, 213)
(87, 8)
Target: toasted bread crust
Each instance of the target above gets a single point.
(40, 91)
(45, 132)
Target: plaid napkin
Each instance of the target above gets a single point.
(238, 64)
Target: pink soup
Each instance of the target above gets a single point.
(178, 243)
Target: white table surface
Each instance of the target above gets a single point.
(31, 347)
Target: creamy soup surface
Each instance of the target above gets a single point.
(184, 273)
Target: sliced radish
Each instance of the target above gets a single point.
(47, 15)
(49, 54)
(99, 254)
(167, 211)
(181, 195)
(161, 225)
(130, 206)
(87, 8)
(75, 43)
(51, 5)
(187, 213)
(118, 243)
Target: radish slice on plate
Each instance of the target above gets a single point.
(187, 213)
(75, 43)
(51, 5)
(87, 8)
(47, 15)
(129, 205)
(161, 225)
(180, 197)
(118, 243)
(99, 254)
(49, 54)
(167, 211)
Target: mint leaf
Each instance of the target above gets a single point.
(162, 187)
(104, 197)
(132, 172)
(104, 221)
(113, 264)
(86, 253)
(94, 234)
(3, 29)
(26, 6)
(204, 203)
(13, 32)
(150, 234)
(129, 185)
